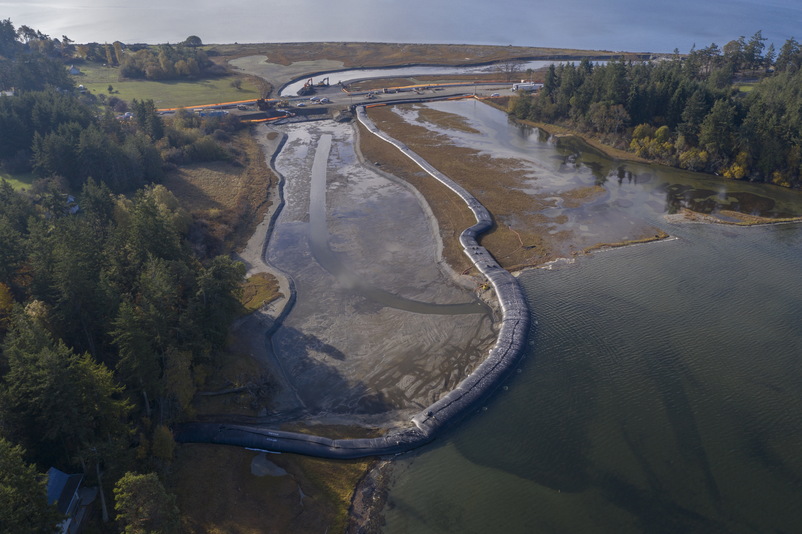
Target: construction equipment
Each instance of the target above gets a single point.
(264, 105)
(307, 89)
(324, 82)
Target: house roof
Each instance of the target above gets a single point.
(61, 487)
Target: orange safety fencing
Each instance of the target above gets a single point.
(266, 120)
(206, 106)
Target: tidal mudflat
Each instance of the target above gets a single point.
(380, 326)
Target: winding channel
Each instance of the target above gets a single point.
(429, 422)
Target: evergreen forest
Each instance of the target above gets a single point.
(111, 312)
(734, 111)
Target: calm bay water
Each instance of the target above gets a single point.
(662, 395)
(662, 391)
(614, 25)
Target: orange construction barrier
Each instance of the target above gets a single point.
(266, 120)
(206, 106)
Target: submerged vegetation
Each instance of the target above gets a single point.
(688, 111)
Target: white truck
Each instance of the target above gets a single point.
(527, 86)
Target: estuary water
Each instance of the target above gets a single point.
(662, 391)
(631, 25)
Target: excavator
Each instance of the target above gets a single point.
(307, 89)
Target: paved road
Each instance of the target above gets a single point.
(339, 99)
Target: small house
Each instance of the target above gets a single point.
(70, 498)
(75, 71)
(72, 205)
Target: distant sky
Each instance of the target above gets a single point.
(634, 25)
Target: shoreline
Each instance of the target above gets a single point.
(561, 131)
(369, 498)
(618, 154)
(362, 511)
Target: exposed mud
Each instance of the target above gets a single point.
(338, 350)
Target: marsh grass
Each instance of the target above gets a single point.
(218, 494)
(394, 54)
(521, 236)
(259, 290)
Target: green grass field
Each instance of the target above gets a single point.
(168, 94)
(18, 181)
